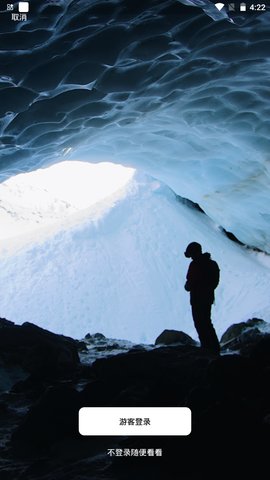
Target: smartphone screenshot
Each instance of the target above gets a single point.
(134, 239)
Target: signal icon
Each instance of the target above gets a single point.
(219, 6)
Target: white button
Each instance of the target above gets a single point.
(135, 421)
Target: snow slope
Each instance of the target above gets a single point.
(122, 271)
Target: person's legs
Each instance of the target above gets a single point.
(201, 313)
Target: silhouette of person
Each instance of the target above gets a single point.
(201, 281)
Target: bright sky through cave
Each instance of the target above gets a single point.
(48, 196)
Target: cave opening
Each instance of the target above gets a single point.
(91, 248)
(37, 204)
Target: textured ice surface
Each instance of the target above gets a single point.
(178, 92)
(121, 270)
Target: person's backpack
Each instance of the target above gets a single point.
(213, 274)
(211, 271)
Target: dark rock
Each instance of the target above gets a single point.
(267, 419)
(81, 346)
(245, 342)
(99, 336)
(99, 393)
(107, 348)
(52, 418)
(236, 330)
(249, 338)
(94, 337)
(85, 372)
(233, 332)
(137, 348)
(260, 352)
(32, 387)
(232, 375)
(10, 375)
(5, 323)
(156, 377)
(128, 366)
(252, 322)
(168, 337)
(3, 408)
(134, 395)
(37, 350)
(231, 424)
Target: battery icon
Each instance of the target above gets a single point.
(243, 7)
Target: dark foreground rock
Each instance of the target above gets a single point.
(36, 350)
(236, 330)
(169, 337)
(228, 395)
(243, 336)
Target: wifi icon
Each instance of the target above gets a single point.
(219, 6)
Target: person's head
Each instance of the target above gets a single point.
(193, 250)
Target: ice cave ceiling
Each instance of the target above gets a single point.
(180, 92)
